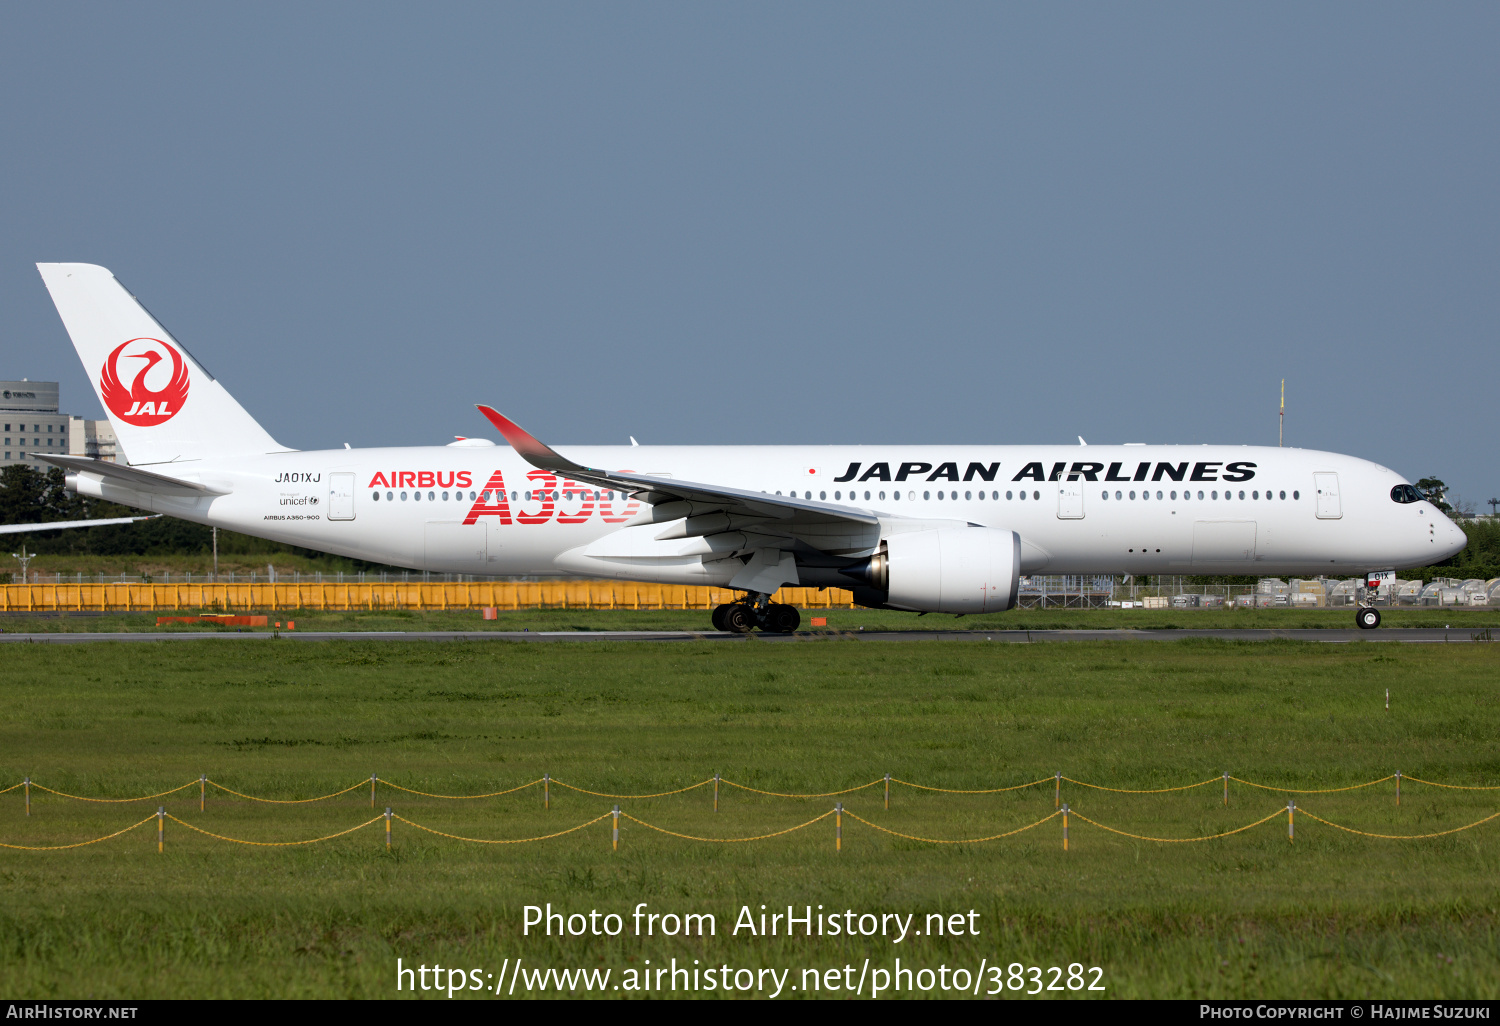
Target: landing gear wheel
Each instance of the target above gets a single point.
(782, 619)
(718, 616)
(738, 618)
(1368, 618)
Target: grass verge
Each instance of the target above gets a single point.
(1334, 914)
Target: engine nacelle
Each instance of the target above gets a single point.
(954, 570)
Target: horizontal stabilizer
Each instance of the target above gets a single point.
(58, 525)
(131, 477)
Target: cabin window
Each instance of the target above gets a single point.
(822, 495)
(966, 495)
(1242, 496)
(376, 496)
(389, 496)
(1104, 494)
(445, 496)
(1296, 495)
(1255, 495)
(1118, 495)
(882, 495)
(403, 496)
(1214, 494)
(1008, 496)
(928, 495)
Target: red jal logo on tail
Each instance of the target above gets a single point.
(135, 403)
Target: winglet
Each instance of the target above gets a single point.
(532, 449)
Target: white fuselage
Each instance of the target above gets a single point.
(1173, 509)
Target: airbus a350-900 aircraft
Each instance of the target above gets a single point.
(933, 528)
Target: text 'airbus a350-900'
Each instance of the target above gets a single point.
(928, 528)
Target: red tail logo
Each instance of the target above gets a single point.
(136, 403)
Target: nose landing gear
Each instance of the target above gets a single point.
(744, 617)
(1368, 618)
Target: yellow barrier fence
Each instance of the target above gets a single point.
(374, 779)
(838, 812)
(504, 595)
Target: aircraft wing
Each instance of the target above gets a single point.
(129, 477)
(58, 525)
(698, 499)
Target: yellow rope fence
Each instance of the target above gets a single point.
(80, 844)
(1058, 779)
(659, 794)
(111, 801)
(273, 844)
(1314, 790)
(516, 840)
(161, 815)
(1148, 790)
(457, 797)
(1177, 840)
(284, 801)
(726, 840)
(822, 794)
(968, 840)
(987, 790)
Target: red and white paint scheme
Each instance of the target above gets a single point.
(940, 528)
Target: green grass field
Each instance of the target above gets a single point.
(1334, 914)
(838, 620)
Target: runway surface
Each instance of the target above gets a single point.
(1419, 635)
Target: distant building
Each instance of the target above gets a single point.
(31, 422)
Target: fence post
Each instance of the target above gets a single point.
(615, 831)
(28, 796)
(202, 790)
(1398, 788)
(1291, 807)
(546, 790)
(372, 790)
(716, 792)
(161, 826)
(1065, 811)
(1226, 788)
(388, 828)
(888, 792)
(838, 826)
(1057, 794)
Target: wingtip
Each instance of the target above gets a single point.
(521, 440)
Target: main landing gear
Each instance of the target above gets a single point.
(744, 617)
(1368, 617)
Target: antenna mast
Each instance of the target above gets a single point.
(1281, 418)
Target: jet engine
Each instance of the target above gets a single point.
(953, 570)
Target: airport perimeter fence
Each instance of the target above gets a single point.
(1061, 810)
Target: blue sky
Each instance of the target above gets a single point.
(783, 223)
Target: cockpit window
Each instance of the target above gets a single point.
(1405, 493)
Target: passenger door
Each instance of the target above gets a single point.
(1327, 488)
(340, 496)
(1070, 500)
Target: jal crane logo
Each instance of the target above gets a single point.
(136, 403)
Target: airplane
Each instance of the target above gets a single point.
(924, 528)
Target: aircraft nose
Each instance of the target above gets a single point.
(1456, 539)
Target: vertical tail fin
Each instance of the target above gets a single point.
(164, 406)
